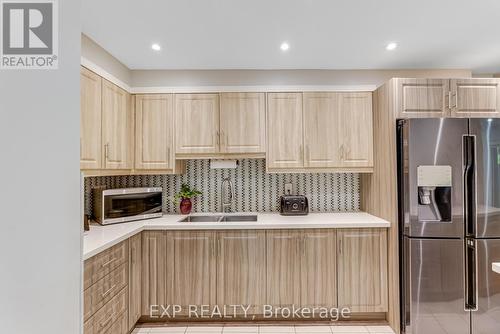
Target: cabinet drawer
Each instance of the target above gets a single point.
(103, 263)
(110, 319)
(105, 289)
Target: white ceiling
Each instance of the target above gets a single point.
(323, 34)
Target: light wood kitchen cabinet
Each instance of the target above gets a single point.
(191, 264)
(135, 279)
(355, 128)
(283, 268)
(423, 97)
(318, 267)
(241, 269)
(154, 270)
(285, 147)
(321, 125)
(197, 123)
(90, 120)
(117, 130)
(242, 122)
(154, 127)
(475, 97)
(362, 270)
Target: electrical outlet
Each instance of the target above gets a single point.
(288, 188)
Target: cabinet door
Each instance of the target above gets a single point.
(241, 270)
(318, 284)
(475, 97)
(154, 131)
(154, 270)
(135, 280)
(284, 130)
(423, 98)
(283, 268)
(197, 123)
(321, 138)
(242, 121)
(192, 264)
(90, 120)
(117, 128)
(356, 129)
(362, 270)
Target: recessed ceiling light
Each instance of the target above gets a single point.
(391, 46)
(156, 47)
(284, 46)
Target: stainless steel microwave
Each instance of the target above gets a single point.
(113, 206)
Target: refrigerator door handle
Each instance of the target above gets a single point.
(469, 160)
(470, 275)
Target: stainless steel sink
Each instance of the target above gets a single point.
(242, 218)
(217, 219)
(201, 219)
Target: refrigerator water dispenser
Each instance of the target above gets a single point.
(434, 193)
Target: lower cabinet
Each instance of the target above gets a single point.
(362, 269)
(154, 271)
(301, 268)
(106, 291)
(283, 268)
(241, 270)
(191, 275)
(306, 268)
(135, 279)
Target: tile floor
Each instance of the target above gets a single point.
(265, 330)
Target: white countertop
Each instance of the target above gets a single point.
(100, 237)
(495, 266)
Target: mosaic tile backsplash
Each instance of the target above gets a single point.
(255, 190)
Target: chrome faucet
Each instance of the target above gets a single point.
(226, 183)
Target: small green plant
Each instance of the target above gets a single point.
(186, 192)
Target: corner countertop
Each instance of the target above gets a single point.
(99, 238)
(495, 266)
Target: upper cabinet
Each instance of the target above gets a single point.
(117, 130)
(154, 127)
(475, 97)
(197, 123)
(211, 125)
(423, 97)
(355, 128)
(322, 117)
(418, 98)
(242, 122)
(90, 120)
(285, 147)
(320, 132)
(106, 124)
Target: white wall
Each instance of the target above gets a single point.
(40, 236)
(180, 78)
(94, 53)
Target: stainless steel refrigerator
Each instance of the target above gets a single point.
(449, 224)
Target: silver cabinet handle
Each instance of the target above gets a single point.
(217, 137)
(449, 100)
(456, 99)
(108, 263)
(341, 152)
(109, 290)
(105, 323)
(106, 151)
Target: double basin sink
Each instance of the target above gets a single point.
(219, 219)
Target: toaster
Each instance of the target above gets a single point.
(294, 205)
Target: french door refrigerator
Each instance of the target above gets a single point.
(449, 224)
